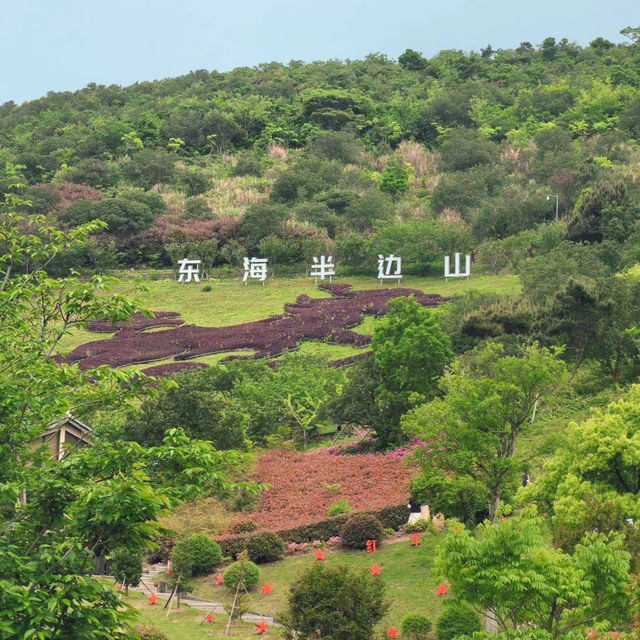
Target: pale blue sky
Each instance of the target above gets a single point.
(62, 45)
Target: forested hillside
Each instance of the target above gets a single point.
(416, 157)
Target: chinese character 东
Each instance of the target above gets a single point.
(456, 273)
(255, 268)
(190, 269)
(389, 267)
(322, 267)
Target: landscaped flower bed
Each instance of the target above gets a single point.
(327, 319)
(305, 485)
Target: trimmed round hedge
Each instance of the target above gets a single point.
(359, 528)
(265, 547)
(245, 571)
(195, 555)
(457, 618)
(415, 626)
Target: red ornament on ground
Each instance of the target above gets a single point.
(153, 598)
(415, 539)
(219, 580)
(209, 618)
(391, 632)
(375, 569)
(441, 589)
(261, 627)
(266, 588)
(319, 554)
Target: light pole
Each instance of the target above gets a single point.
(557, 199)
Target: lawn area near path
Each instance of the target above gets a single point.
(406, 570)
(186, 623)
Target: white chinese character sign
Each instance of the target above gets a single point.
(323, 267)
(456, 273)
(256, 269)
(389, 267)
(190, 269)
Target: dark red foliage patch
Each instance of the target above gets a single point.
(305, 485)
(327, 319)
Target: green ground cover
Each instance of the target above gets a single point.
(406, 570)
(187, 623)
(231, 302)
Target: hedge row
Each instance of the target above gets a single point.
(390, 517)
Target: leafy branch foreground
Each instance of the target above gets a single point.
(57, 516)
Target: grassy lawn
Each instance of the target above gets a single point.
(406, 570)
(230, 302)
(186, 623)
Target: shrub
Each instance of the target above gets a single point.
(149, 633)
(195, 555)
(339, 508)
(415, 626)
(265, 547)
(457, 618)
(207, 288)
(359, 528)
(244, 571)
(337, 601)
(416, 527)
(244, 527)
(126, 566)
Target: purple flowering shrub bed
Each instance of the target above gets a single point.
(328, 319)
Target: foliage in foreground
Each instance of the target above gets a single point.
(57, 515)
(337, 601)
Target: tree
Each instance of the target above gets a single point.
(508, 570)
(473, 429)
(337, 601)
(410, 352)
(57, 516)
(395, 178)
(599, 458)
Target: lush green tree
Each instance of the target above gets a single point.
(260, 221)
(363, 212)
(396, 178)
(472, 431)
(205, 414)
(338, 601)
(466, 148)
(410, 353)
(126, 567)
(148, 168)
(508, 570)
(599, 457)
(412, 60)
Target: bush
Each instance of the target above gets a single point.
(195, 555)
(415, 626)
(243, 570)
(244, 527)
(337, 601)
(126, 566)
(265, 547)
(457, 618)
(416, 527)
(149, 633)
(359, 528)
(340, 508)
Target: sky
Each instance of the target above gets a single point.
(63, 45)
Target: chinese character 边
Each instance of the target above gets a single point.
(371, 546)
(322, 267)
(457, 273)
(190, 269)
(255, 268)
(389, 267)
